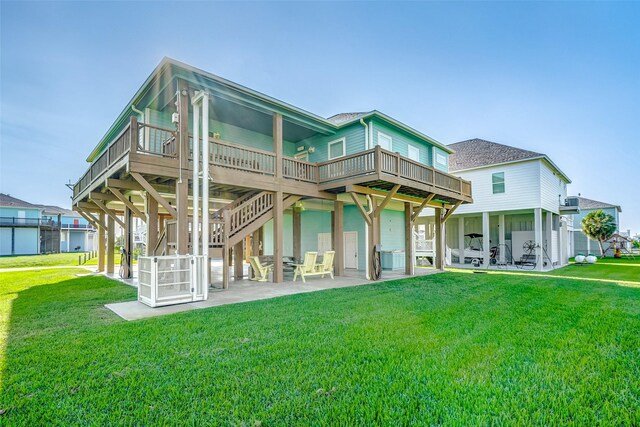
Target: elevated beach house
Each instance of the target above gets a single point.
(280, 182)
(582, 244)
(521, 213)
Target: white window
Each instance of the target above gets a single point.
(441, 159)
(337, 148)
(414, 153)
(497, 180)
(384, 141)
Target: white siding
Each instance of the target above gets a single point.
(553, 188)
(522, 188)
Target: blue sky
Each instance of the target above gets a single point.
(557, 78)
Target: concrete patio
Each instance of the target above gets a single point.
(246, 290)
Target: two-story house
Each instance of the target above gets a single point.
(581, 243)
(519, 207)
(76, 233)
(281, 180)
(24, 230)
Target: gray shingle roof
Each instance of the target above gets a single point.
(585, 203)
(55, 210)
(11, 202)
(477, 152)
(345, 117)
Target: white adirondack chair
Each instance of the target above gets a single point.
(326, 267)
(307, 268)
(260, 272)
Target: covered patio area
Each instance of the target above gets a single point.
(245, 290)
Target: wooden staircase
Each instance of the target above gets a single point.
(231, 224)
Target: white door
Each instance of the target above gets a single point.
(324, 243)
(414, 153)
(351, 249)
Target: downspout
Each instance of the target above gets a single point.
(366, 134)
(135, 110)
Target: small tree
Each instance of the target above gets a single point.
(599, 226)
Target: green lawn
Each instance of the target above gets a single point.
(452, 349)
(49, 260)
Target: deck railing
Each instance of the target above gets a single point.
(144, 138)
(157, 141)
(27, 222)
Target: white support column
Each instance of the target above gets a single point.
(537, 233)
(461, 239)
(195, 224)
(205, 193)
(547, 255)
(486, 243)
(501, 231)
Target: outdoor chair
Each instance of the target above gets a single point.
(326, 267)
(260, 272)
(307, 268)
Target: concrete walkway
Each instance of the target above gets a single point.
(47, 267)
(246, 290)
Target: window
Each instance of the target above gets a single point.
(441, 159)
(414, 153)
(497, 180)
(337, 148)
(384, 141)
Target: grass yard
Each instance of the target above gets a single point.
(50, 260)
(452, 349)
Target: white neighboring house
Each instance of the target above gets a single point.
(519, 207)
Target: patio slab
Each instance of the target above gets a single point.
(245, 290)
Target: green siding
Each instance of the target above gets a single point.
(312, 223)
(401, 141)
(354, 138)
(392, 230)
(441, 166)
(13, 212)
(353, 221)
(288, 236)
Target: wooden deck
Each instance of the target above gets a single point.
(152, 151)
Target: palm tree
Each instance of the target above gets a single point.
(599, 226)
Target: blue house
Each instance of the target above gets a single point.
(281, 181)
(23, 230)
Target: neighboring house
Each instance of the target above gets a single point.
(582, 243)
(519, 202)
(283, 181)
(23, 229)
(76, 234)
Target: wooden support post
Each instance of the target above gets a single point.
(101, 243)
(151, 212)
(112, 214)
(297, 238)
(338, 238)
(439, 264)
(278, 211)
(277, 143)
(409, 257)
(255, 242)
(182, 183)
(238, 261)
(278, 239)
(374, 236)
(111, 244)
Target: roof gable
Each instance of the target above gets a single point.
(584, 203)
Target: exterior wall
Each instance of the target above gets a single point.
(437, 153)
(313, 223)
(353, 221)
(26, 241)
(553, 188)
(288, 235)
(392, 230)
(5, 241)
(401, 141)
(354, 139)
(522, 188)
(10, 212)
